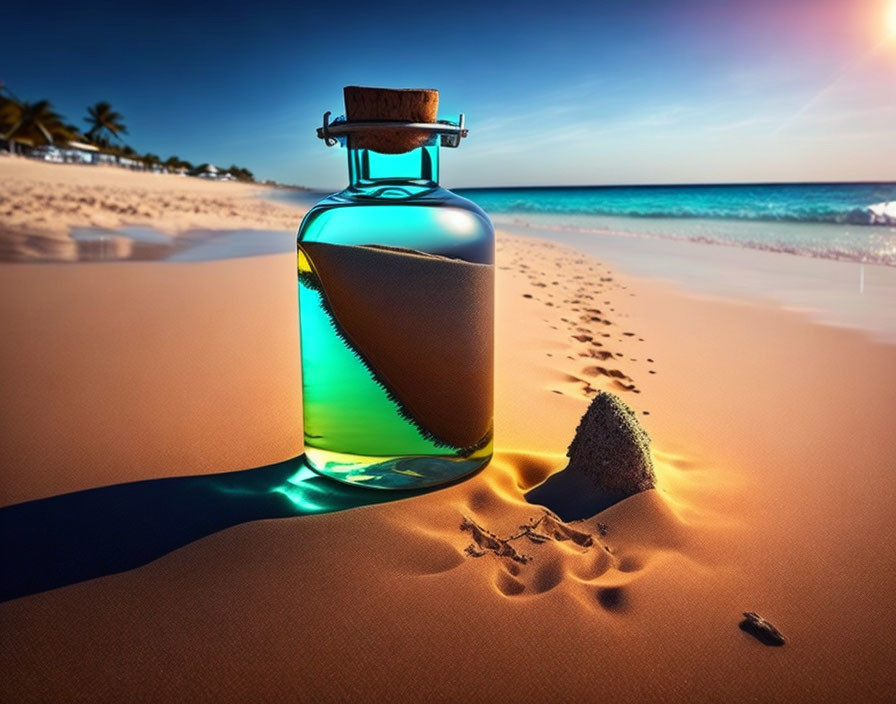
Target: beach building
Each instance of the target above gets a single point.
(47, 152)
(17, 144)
(79, 153)
(209, 171)
(70, 153)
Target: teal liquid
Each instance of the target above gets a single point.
(354, 430)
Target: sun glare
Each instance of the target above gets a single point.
(891, 18)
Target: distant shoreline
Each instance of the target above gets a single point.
(44, 207)
(133, 165)
(731, 184)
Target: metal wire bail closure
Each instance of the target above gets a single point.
(451, 133)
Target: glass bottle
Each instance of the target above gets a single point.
(396, 299)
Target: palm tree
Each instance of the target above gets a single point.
(103, 120)
(149, 160)
(241, 173)
(8, 116)
(37, 123)
(175, 163)
(75, 131)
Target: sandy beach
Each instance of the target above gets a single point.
(771, 438)
(40, 206)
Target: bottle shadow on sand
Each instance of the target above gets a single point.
(60, 540)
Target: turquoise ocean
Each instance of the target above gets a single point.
(843, 221)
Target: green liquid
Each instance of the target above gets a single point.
(354, 431)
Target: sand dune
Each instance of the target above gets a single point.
(773, 451)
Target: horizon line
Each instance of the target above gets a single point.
(693, 184)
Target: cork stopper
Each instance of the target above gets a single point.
(385, 104)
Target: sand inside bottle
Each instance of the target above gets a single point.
(397, 350)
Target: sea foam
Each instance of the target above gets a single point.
(882, 213)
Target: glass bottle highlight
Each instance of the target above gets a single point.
(396, 305)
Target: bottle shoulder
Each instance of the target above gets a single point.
(438, 221)
(347, 205)
(432, 196)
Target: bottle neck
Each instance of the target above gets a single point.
(394, 175)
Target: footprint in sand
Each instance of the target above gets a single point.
(598, 371)
(482, 500)
(597, 354)
(554, 551)
(509, 585)
(620, 379)
(613, 598)
(484, 541)
(630, 564)
(547, 577)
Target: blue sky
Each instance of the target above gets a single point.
(554, 92)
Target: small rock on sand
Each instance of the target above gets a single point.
(761, 629)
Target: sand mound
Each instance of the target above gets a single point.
(611, 448)
(609, 460)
